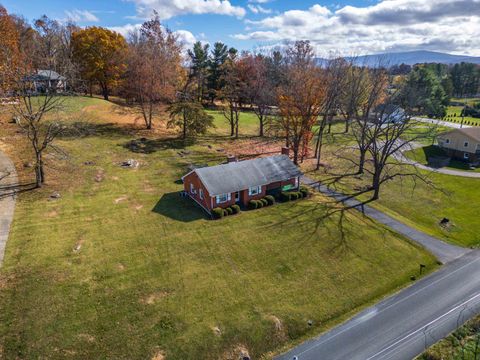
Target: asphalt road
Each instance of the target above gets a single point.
(402, 326)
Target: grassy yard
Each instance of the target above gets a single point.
(122, 267)
(454, 114)
(422, 154)
(462, 344)
(414, 203)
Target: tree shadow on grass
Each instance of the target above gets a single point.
(81, 129)
(176, 207)
(149, 146)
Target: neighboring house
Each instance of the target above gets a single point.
(393, 114)
(47, 80)
(463, 144)
(238, 182)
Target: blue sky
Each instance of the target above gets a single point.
(347, 27)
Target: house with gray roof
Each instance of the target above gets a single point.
(238, 182)
(47, 80)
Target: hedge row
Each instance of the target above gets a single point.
(219, 213)
(294, 195)
(257, 204)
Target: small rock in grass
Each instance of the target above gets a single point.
(55, 195)
(130, 163)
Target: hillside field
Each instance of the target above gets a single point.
(122, 267)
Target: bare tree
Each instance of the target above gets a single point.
(154, 70)
(375, 86)
(31, 113)
(388, 137)
(335, 75)
(231, 92)
(257, 87)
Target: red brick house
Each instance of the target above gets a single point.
(238, 182)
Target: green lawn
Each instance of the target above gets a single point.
(422, 154)
(462, 344)
(248, 123)
(412, 202)
(122, 267)
(454, 114)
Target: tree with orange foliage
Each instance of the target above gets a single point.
(9, 52)
(101, 55)
(300, 98)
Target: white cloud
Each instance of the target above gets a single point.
(442, 25)
(169, 8)
(186, 38)
(257, 9)
(81, 16)
(126, 29)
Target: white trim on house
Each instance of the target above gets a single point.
(227, 196)
(254, 190)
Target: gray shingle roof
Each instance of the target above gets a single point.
(45, 75)
(237, 176)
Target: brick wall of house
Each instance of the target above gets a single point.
(193, 179)
(209, 202)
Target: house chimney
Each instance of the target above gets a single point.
(285, 151)
(231, 158)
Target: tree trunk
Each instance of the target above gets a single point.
(261, 126)
(105, 94)
(39, 172)
(347, 125)
(376, 185)
(361, 162)
(295, 152)
(232, 123)
(236, 124)
(319, 152)
(184, 125)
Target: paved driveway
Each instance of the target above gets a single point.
(8, 176)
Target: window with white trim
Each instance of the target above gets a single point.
(254, 190)
(466, 155)
(192, 189)
(465, 144)
(223, 198)
(447, 141)
(200, 192)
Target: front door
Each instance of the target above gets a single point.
(237, 197)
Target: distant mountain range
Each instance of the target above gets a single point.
(412, 58)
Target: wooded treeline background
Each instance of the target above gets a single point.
(294, 95)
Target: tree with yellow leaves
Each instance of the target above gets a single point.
(101, 55)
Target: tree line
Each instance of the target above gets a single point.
(293, 95)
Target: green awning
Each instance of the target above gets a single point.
(287, 187)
